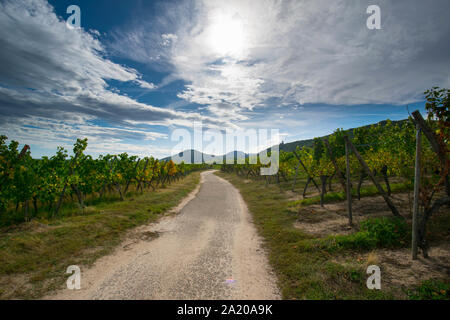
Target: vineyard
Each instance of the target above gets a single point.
(78, 209)
(380, 151)
(31, 187)
(368, 196)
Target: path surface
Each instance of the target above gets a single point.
(198, 251)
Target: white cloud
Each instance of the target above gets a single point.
(145, 85)
(59, 74)
(241, 60)
(50, 134)
(248, 54)
(168, 39)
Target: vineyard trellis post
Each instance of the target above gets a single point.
(295, 177)
(339, 172)
(431, 208)
(416, 192)
(372, 177)
(349, 186)
(306, 170)
(323, 180)
(433, 142)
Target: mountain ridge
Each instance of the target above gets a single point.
(287, 147)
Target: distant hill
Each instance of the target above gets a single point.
(287, 147)
(290, 146)
(194, 155)
(188, 155)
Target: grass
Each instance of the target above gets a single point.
(327, 268)
(304, 270)
(35, 255)
(366, 191)
(69, 207)
(373, 233)
(431, 290)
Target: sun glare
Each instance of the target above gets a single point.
(226, 36)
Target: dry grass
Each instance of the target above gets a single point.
(34, 256)
(303, 243)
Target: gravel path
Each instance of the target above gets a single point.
(210, 250)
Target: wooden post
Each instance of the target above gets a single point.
(434, 144)
(349, 186)
(415, 218)
(306, 170)
(372, 177)
(295, 177)
(420, 121)
(306, 187)
(339, 172)
(324, 185)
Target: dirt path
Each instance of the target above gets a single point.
(209, 251)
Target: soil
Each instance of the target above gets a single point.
(398, 269)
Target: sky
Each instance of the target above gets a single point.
(136, 71)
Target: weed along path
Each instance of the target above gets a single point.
(210, 250)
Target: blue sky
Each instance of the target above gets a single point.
(138, 70)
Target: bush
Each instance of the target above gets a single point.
(378, 232)
(358, 240)
(387, 232)
(431, 290)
